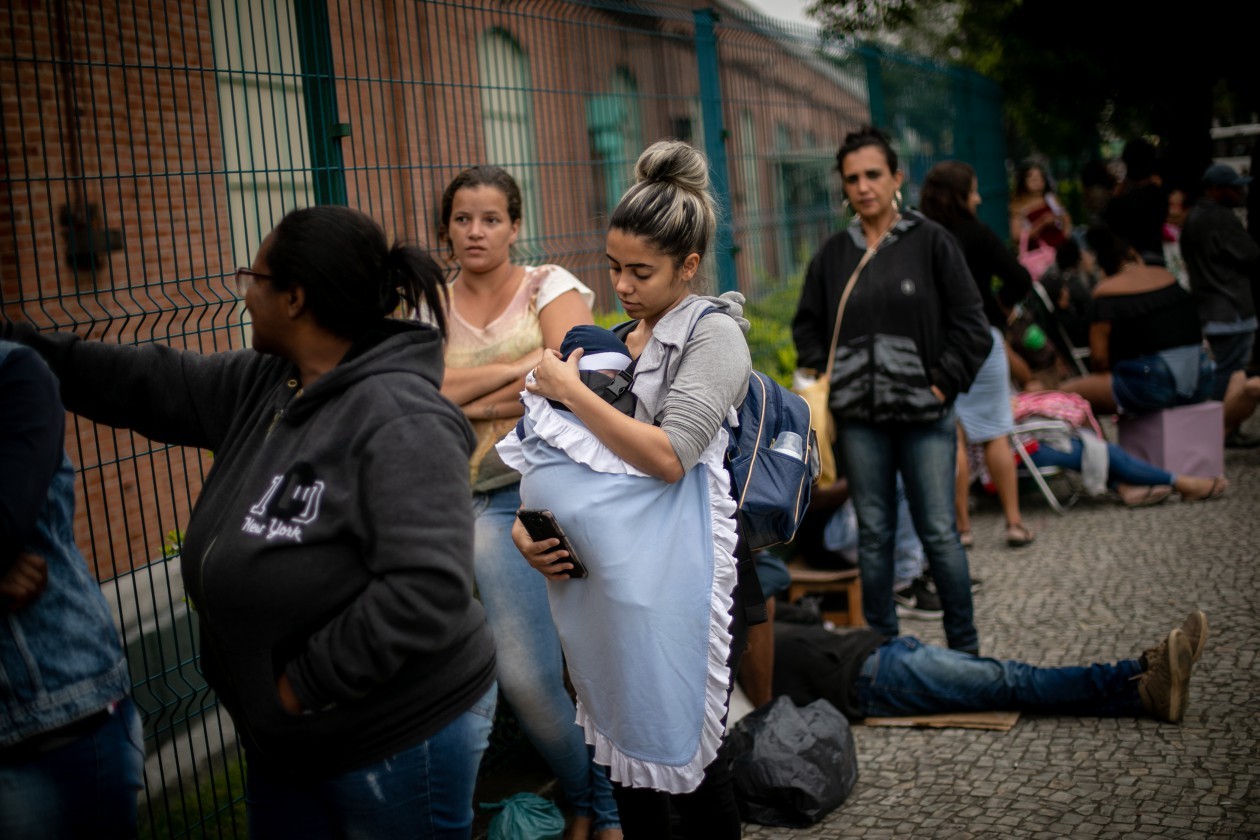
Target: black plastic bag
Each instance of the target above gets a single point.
(791, 765)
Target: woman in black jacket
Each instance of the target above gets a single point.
(911, 338)
(950, 197)
(329, 555)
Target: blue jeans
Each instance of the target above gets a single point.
(1147, 384)
(1122, 468)
(924, 454)
(841, 536)
(86, 788)
(1231, 351)
(904, 676)
(530, 661)
(422, 792)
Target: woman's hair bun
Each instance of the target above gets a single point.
(670, 202)
(673, 162)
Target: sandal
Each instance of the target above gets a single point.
(1145, 496)
(965, 538)
(1219, 483)
(1018, 535)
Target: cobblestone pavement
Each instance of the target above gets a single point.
(1101, 583)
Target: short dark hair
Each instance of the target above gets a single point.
(1140, 158)
(352, 277)
(480, 176)
(1067, 254)
(946, 193)
(867, 136)
(1110, 249)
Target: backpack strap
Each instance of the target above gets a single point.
(751, 597)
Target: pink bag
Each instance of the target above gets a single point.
(1057, 405)
(1036, 260)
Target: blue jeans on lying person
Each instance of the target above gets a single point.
(1122, 468)
(924, 455)
(530, 661)
(422, 793)
(905, 676)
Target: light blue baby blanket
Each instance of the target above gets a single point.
(646, 635)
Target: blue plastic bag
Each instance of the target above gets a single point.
(525, 816)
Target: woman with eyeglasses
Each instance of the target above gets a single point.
(891, 296)
(329, 555)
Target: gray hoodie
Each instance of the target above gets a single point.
(690, 401)
(332, 539)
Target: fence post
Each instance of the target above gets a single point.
(715, 144)
(322, 128)
(871, 57)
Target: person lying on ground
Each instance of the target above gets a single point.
(864, 674)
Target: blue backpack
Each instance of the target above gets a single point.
(773, 460)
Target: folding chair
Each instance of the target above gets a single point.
(1027, 469)
(1044, 314)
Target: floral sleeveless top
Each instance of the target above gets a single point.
(514, 333)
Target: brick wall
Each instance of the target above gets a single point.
(115, 106)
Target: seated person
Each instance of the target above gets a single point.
(1144, 339)
(913, 591)
(809, 544)
(1076, 443)
(864, 674)
(1069, 284)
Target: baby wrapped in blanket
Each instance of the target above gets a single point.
(646, 634)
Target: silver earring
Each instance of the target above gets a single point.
(845, 209)
(897, 198)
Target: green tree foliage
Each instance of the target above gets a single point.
(1072, 68)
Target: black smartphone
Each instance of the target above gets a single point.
(541, 525)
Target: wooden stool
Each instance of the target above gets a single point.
(807, 581)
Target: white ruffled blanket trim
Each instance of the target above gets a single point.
(565, 432)
(632, 772)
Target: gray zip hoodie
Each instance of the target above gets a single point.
(332, 540)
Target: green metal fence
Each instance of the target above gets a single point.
(149, 146)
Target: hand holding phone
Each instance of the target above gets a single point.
(542, 525)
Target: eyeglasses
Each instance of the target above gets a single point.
(245, 278)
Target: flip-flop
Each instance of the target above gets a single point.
(1219, 483)
(1153, 495)
(1018, 536)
